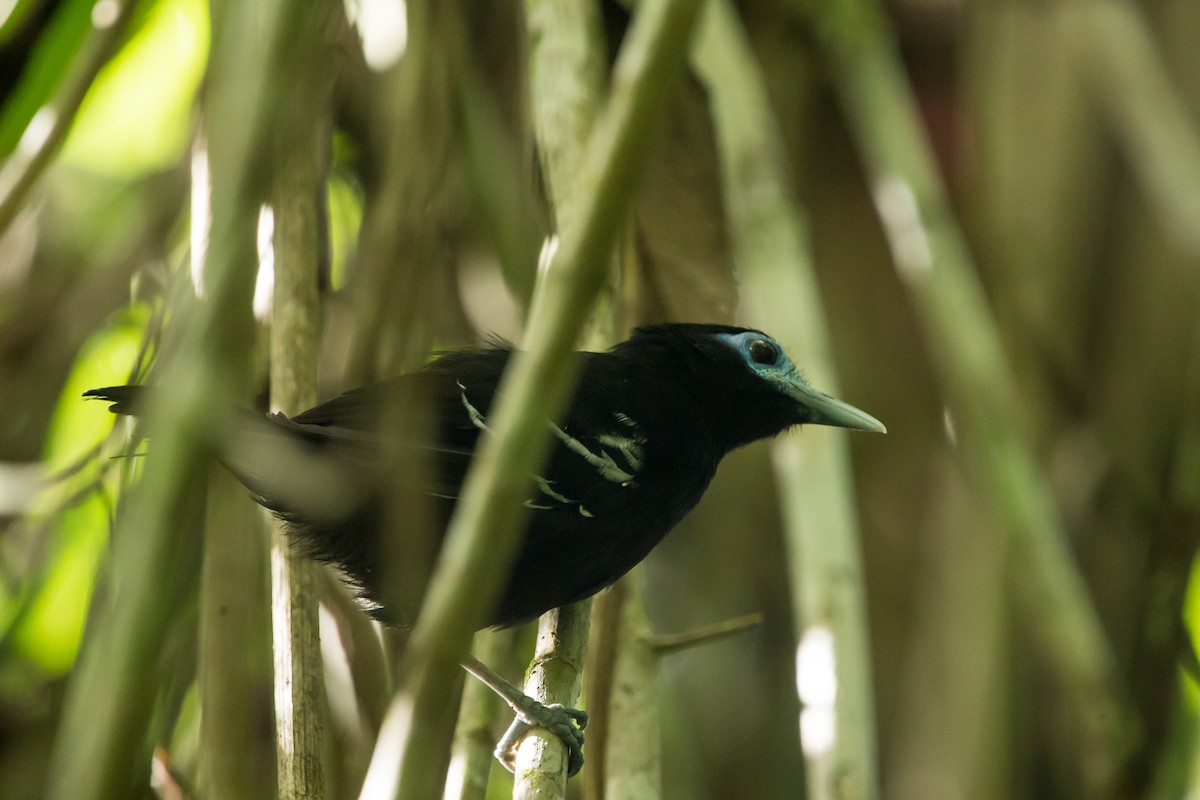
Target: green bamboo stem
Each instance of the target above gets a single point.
(502, 184)
(397, 244)
(483, 534)
(633, 756)
(567, 75)
(235, 758)
(360, 641)
(474, 736)
(779, 289)
(1112, 47)
(567, 81)
(556, 676)
(932, 259)
(567, 65)
(300, 142)
(607, 611)
(102, 750)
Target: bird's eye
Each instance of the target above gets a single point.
(763, 352)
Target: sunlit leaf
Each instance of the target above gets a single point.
(137, 116)
(1191, 618)
(49, 630)
(49, 63)
(105, 359)
(345, 217)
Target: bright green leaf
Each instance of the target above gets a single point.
(105, 359)
(137, 116)
(49, 631)
(50, 60)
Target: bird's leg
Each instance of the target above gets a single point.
(565, 723)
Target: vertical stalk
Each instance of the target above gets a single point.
(483, 534)
(633, 749)
(301, 145)
(474, 736)
(567, 65)
(567, 77)
(556, 676)
(779, 287)
(608, 609)
(1115, 52)
(235, 752)
(931, 258)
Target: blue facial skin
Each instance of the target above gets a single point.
(766, 358)
(780, 371)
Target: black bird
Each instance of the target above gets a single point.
(635, 450)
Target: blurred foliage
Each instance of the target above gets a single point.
(1095, 292)
(52, 622)
(137, 118)
(48, 58)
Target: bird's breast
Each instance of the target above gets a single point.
(575, 554)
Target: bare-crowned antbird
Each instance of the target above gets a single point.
(642, 437)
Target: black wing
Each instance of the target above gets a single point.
(417, 418)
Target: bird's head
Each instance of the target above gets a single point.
(767, 361)
(751, 384)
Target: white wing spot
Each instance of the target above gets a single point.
(546, 489)
(476, 418)
(630, 449)
(604, 464)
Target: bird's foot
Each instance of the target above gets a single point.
(565, 723)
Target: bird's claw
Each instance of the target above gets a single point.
(564, 722)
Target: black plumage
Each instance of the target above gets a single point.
(642, 437)
(648, 424)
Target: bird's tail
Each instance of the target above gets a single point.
(291, 469)
(124, 399)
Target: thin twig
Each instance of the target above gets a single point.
(665, 643)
